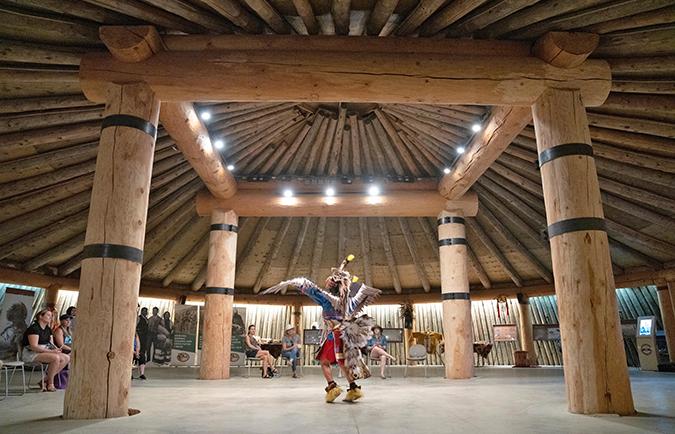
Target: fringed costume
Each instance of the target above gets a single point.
(345, 331)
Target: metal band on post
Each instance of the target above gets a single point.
(576, 225)
(224, 227)
(114, 251)
(218, 290)
(131, 122)
(455, 296)
(452, 242)
(446, 220)
(565, 150)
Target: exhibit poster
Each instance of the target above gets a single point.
(238, 346)
(16, 312)
(183, 352)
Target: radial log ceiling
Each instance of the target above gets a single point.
(49, 132)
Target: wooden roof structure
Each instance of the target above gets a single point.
(49, 135)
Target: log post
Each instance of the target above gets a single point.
(668, 319)
(215, 359)
(525, 332)
(100, 369)
(457, 327)
(596, 373)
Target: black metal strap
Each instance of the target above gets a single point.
(576, 225)
(131, 122)
(564, 150)
(455, 296)
(452, 242)
(115, 251)
(446, 220)
(224, 227)
(218, 290)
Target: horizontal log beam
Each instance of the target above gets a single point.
(629, 279)
(399, 203)
(327, 75)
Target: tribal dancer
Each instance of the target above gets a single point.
(344, 333)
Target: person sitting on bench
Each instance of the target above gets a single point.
(377, 346)
(253, 349)
(38, 347)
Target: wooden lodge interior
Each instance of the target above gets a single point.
(313, 179)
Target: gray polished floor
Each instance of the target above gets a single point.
(498, 400)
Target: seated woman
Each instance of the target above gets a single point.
(63, 338)
(38, 347)
(290, 347)
(377, 346)
(253, 350)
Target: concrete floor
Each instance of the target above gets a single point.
(499, 400)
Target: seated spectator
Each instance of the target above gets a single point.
(253, 349)
(377, 346)
(139, 358)
(290, 347)
(72, 312)
(63, 338)
(38, 347)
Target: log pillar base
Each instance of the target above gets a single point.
(525, 331)
(457, 326)
(594, 359)
(217, 337)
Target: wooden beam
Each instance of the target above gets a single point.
(340, 13)
(349, 76)
(138, 43)
(250, 203)
(388, 252)
(270, 15)
(412, 248)
(235, 12)
(565, 49)
(503, 125)
(379, 16)
(317, 250)
(364, 240)
(478, 267)
(447, 47)
(297, 249)
(495, 251)
(272, 254)
(305, 11)
(192, 138)
(631, 278)
(423, 10)
(452, 12)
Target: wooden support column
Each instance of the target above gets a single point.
(668, 319)
(596, 373)
(525, 332)
(215, 359)
(100, 367)
(457, 327)
(51, 295)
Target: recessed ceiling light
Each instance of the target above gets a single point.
(374, 190)
(476, 127)
(446, 170)
(205, 115)
(460, 150)
(219, 144)
(330, 191)
(288, 193)
(230, 167)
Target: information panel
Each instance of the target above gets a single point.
(393, 336)
(546, 332)
(505, 332)
(311, 337)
